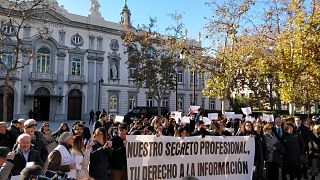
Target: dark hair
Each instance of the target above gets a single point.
(28, 172)
(4, 152)
(102, 115)
(123, 126)
(60, 128)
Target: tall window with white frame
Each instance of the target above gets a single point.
(132, 102)
(165, 102)
(113, 103)
(212, 104)
(43, 60)
(180, 104)
(149, 101)
(76, 66)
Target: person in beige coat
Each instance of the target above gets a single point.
(82, 156)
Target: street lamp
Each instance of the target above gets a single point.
(100, 81)
(270, 79)
(183, 56)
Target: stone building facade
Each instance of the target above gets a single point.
(79, 65)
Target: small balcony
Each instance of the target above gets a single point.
(43, 76)
(76, 79)
(12, 75)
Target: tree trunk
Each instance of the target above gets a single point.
(291, 109)
(5, 97)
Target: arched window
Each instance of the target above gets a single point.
(42, 91)
(43, 60)
(113, 103)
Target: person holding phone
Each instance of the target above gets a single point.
(99, 167)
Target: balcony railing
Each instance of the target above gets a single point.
(43, 76)
(76, 78)
(12, 75)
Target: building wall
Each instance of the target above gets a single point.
(95, 65)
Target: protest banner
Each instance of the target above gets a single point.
(211, 157)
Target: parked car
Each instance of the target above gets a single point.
(147, 112)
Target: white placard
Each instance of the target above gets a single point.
(229, 115)
(213, 116)
(15, 177)
(169, 158)
(119, 119)
(185, 120)
(206, 121)
(267, 117)
(30, 164)
(176, 115)
(249, 118)
(194, 109)
(246, 110)
(238, 116)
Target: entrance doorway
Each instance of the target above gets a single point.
(41, 104)
(10, 104)
(74, 104)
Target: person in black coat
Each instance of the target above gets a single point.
(14, 129)
(294, 150)
(6, 138)
(100, 155)
(119, 158)
(24, 153)
(304, 132)
(247, 130)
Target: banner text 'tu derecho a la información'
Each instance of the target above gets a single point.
(212, 157)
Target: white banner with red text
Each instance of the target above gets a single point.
(211, 157)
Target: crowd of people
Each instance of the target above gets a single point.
(77, 153)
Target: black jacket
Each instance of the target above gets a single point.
(20, 162)
(7, 140)
(294, 148)
(99, 162)
(119, 158)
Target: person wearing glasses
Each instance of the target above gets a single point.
(272, 153)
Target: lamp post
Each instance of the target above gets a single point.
(100, 81)
(270, 79)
